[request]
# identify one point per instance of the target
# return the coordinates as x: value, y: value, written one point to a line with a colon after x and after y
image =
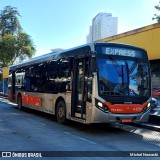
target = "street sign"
x: 5, y: 71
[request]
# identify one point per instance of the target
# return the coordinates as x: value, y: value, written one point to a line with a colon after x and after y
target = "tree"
x: 15, y: 45
x: 9, y: 22
x: 157, y: 17
x: 15, y: 48
x: 7, y: 49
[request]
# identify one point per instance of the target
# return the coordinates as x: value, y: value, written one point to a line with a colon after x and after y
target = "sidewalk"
x: 3, y: 95
x: 153, y: 124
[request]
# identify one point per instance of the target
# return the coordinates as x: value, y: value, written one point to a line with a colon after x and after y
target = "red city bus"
x: 93, y: 83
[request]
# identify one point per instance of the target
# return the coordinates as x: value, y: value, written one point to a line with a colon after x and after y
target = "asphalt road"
x: 30, y: 130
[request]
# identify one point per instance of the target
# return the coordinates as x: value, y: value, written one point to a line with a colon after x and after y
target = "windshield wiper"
x: 132, y: 68
x: 116, y: 65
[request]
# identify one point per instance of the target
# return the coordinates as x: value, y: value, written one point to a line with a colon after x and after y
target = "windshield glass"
x: 123, y: 77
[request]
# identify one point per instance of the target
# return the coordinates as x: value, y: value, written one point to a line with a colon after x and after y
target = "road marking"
x: 43, y: 124
x: 36, y: 121
x: 13, y: 113
x: 84, y: 139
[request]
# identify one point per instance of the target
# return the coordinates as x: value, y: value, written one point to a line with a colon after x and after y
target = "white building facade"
x: 103, y: 26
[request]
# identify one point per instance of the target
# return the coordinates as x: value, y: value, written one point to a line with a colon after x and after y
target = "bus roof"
x: 39, y: 59
x: 66, y: 53
x: 47, y: 57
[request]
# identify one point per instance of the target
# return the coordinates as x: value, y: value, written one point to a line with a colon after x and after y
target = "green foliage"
x: 15, y: 48
x: 7, y: 49
x: 9, y: 21
x: 157, y: 17
x: 15, y: 45
x: 24, y: 47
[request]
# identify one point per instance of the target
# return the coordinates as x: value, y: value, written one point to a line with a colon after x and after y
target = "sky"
x: 65, y: 23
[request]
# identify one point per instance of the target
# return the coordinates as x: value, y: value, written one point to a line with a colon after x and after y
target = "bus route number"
x: 120, y: 52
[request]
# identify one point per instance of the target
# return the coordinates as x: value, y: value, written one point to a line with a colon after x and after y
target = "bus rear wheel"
x: 19, y: 102
x: 61, y: 112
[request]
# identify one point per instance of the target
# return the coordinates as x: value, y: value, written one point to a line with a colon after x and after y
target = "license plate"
x: 126, y: 120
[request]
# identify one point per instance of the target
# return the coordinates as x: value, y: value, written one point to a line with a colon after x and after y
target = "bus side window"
x: 64, y: 75
x: 51, y: 76
x: 27, y: 82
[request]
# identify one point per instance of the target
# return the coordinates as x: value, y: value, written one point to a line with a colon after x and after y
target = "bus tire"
x: 61, y: 112
x: 19, y: 102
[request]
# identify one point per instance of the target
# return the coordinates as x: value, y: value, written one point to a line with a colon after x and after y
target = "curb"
x: 149, y: 126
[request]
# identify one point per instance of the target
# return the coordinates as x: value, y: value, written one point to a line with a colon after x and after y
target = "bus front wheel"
x: 61, y: 112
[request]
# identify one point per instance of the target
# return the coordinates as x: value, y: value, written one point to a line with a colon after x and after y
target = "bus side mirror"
x: 93, y: 64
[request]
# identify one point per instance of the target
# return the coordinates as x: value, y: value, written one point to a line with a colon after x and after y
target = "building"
x: 89, y: 36
x: 103, y: 25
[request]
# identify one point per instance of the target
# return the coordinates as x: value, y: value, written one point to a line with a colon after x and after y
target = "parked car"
x: 156, y: 92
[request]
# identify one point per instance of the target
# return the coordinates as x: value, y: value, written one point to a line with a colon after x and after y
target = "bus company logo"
x: 21, y: 154
x: 116, y: 110
x: 6, y: 154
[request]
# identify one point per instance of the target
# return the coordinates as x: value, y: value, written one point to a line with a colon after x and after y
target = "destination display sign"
x: 122, y: 52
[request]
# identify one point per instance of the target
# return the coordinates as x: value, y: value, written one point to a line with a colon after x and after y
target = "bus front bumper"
x: 99, y: 116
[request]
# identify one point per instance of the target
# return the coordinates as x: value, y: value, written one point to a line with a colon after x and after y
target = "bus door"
x: 11, y: 87
x: 78, y: 109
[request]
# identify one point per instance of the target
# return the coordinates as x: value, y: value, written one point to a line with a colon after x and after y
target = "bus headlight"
x: 148, y: 105
x: 101, y: 106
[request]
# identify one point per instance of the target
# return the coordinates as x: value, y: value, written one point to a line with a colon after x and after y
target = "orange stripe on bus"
x: 126, y: 108
x: 32, y: 100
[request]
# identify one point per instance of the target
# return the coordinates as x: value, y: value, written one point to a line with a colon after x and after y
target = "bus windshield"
x: 121, y: 77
